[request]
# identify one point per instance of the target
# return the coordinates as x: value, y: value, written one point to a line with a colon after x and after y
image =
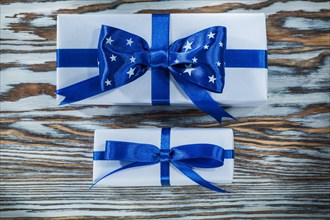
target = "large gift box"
x: 206, y: 151
x: 243, y: 58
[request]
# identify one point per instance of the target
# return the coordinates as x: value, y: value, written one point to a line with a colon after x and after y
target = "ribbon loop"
x: 127, y: 151
x: 200, y: 155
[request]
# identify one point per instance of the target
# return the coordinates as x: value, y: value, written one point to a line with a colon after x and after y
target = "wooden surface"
x: 282, y: 147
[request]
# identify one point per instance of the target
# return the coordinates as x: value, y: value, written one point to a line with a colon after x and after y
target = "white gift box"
x: 150, y: 175
x: 243, y: 86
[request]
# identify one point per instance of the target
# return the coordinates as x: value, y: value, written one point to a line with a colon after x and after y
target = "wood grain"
x: 282, y: 168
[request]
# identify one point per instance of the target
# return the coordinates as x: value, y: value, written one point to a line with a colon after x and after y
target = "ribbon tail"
x: 202, y: 99
x: 197, y: 178
x: 131, y: 165
x: 80, y: 91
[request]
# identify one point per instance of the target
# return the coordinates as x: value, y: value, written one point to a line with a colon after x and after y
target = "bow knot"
x: 158, y: 58
x: 164, y: 155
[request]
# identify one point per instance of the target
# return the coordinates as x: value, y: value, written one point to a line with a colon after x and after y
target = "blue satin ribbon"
x: 160, y: 76
x: 164, y: 157
x: 233, y: 59
x: 184, y: 158
x: 196, y: 62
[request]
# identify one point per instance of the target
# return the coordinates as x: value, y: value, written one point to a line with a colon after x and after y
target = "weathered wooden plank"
x: 282, y: 148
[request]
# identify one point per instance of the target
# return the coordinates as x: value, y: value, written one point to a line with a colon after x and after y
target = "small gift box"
x: 176, y: 59
x: 154, y: 157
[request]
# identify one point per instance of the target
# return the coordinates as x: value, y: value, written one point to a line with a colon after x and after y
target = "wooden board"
x: 282, y: 147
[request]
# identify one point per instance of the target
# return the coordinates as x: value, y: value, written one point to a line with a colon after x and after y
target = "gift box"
x: 207, y: 151
x: 245, y: 45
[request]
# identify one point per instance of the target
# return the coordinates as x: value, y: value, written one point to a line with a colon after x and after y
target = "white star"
x: 206, y: 47
x: 194, y: 60
x: 132, y: 59
x: 221, y: 44
x: 109, y: 40
x: 129, y: 42
x: 130, y: 72
x: 176, y: 61
x: 187, y: 46
x: 218, y: 64
x: 108, y: 82
x: 212, y: 79
x: 189, y: 69
x: 113, y: 58
x: 211, y: 35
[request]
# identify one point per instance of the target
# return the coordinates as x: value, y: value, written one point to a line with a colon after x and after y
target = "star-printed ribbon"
x: 185, y: 158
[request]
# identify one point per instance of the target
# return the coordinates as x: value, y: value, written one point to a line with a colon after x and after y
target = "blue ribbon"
x: 196, y: 62
x: 184, y: 158
x: 70, y: 58
x: 164, y: 157
x: 160, y: 77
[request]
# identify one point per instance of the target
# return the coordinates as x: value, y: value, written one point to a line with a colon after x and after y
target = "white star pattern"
x: 130, y: 72
x: 109, y: 40
x: 129, y: 42
x: 113, y: 58
x: 132, y: 59
x: 189, y: 69
x: 211, y: 35
x: 187, y: 46
x: 212, y: 79
x: 108, y: 82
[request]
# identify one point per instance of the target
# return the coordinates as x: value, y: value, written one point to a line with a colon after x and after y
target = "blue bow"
x: 184, y: 158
